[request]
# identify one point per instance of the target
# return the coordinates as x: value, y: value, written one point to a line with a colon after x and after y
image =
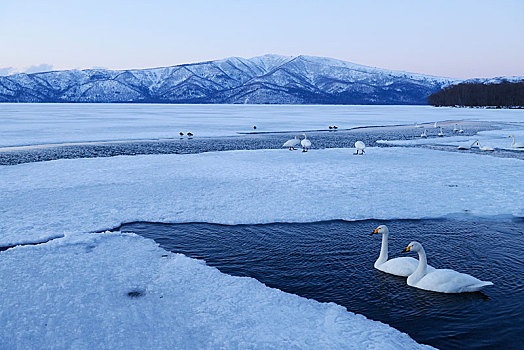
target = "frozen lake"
x: 30, y: 124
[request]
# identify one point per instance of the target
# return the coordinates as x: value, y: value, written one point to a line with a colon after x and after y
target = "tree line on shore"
x: 503, y: 95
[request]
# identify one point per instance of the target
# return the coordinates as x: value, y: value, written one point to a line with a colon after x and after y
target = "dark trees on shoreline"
x: 504, y: 94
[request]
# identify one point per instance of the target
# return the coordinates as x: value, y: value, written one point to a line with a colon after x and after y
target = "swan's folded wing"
x: 450, y: 281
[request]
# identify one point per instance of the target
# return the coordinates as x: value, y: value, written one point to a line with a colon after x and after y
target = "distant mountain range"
x: 269, y: 79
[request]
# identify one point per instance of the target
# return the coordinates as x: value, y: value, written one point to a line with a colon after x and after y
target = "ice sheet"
x: 242, y: 187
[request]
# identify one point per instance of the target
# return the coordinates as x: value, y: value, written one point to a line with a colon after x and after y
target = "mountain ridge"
x: 268, y: 79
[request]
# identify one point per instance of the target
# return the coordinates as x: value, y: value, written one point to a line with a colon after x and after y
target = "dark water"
x: 320, y: 138
x: 333, y: 261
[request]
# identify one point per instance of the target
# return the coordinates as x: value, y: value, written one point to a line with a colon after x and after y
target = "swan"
x: 424, y: 134
x: 466, y: 146
x: 461, y: 131
x: 455, y: 129
x: 516, y: 144
x: 440, y: 280
x: 441, y: 133
x: 417, y: 125
x: 292, y: 143
x: 484, y: 148
x: 306, y: 144
x: 403, y: 266
x: 359, y: 145
x: 435, y: 125
x: 189, y: 135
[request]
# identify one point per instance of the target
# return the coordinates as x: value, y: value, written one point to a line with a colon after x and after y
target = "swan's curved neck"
x: 421, y: 268
x: 383, y: 257
x: 513, y: 140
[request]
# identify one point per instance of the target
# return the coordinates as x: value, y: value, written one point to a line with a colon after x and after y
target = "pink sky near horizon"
x: 460, y: 39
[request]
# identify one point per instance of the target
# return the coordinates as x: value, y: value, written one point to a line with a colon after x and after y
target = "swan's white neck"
x: 305, y: 137
x: 421, y: 268
x: 513, y: 141
x: 383, y: 257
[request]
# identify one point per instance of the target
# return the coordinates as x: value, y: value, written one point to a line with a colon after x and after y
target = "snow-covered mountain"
x: 269, y: 79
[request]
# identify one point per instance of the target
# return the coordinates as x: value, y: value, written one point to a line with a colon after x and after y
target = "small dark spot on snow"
x: 136, y: 293
x: 452, y: 185
x: 165, y: 256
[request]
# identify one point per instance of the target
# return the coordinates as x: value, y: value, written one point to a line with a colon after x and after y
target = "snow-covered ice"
x: 74, y: 293
x: 245, y: 187
x: 30, y: 124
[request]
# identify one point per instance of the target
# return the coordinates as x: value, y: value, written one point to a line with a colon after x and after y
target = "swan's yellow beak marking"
x: 376, y: 230
x: 408, y: 248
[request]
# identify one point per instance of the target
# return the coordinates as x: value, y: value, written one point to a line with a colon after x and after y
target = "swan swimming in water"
x: 360, y: 146
x: 403, y: 266
x: 461, y: 131
x: 441, y: 133
x: 292, y: 143
x: 516, y: 144
x: 455, y: 129
x: 306, y: 144
x: 440, y: 280
x: 424, y: 134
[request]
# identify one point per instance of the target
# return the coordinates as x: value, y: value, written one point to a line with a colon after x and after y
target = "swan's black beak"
x: 406, y: 250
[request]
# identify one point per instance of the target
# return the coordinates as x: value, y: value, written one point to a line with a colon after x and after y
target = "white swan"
x: 435, y: 125
x: 467, y: 146
x: 424, y: 134
x: 440, y: 280
x: 417, y: 125
x: 483, y: 148
x: 516, y: 144
x: 292, y: 143
x: 403, y: 266
x: 461, y: 131
x: 359, y: 145
x: 306, y: 144
x: 455, y: 129
x: 441, y: 133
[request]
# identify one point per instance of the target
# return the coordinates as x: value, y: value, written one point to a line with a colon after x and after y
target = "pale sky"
x: 453, y: 38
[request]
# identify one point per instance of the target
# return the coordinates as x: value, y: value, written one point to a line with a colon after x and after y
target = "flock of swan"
x: 189, y: 135
x: 360, y: 146
x: 421, y: 275
x: 456, y: 129
x: 306, y: 144
x: 294, y: 142
x: 441, y: 131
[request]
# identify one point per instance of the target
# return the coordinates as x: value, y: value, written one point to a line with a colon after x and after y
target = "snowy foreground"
x: 32, y: 124
x: 73, y: 292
